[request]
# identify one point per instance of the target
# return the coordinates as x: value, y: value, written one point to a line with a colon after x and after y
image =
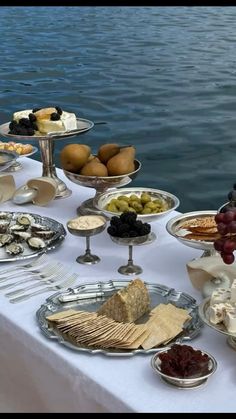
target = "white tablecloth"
x: 40, y: 375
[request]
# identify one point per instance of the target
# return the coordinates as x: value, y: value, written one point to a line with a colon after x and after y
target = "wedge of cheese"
x: 128, y: 304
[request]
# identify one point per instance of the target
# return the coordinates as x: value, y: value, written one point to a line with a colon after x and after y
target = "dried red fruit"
x: 183, y: 361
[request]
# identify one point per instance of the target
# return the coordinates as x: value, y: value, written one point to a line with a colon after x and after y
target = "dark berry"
x: 54, y: 116
x: 128, y: 217
x: 30, y: 131
x: 34, y: 126
x: 112, y: 230
x: 32, y: 117
x: 59, y: 110
x: 122, y: 228
x: 36, y: 110
x: 124, y: 235
x: 24, y: 122
x: 115, y: 221
x: 133, y: 233
x: 12, y: 125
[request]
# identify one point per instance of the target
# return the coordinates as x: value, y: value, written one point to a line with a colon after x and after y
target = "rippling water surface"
x: 162, y: 78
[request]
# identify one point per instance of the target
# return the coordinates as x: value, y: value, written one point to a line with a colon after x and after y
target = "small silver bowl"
x: 87, y: 258
x: 183, y: 383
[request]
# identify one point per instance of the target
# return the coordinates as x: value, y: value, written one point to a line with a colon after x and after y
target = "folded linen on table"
x: 203, y: 270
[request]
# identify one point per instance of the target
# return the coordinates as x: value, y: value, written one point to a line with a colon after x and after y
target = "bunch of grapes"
x: 226, y: 226
x: 127, y: 225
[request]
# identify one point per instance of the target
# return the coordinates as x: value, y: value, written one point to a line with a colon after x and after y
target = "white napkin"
x: 205, y: 268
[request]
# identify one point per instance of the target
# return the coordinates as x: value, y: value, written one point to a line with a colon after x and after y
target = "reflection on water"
x: 161, y: 78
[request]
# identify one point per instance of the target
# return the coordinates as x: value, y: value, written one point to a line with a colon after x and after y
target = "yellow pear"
x: 74, y: 156
x: 94, y: 168
x: 107, y: 151
x: 122, y: 163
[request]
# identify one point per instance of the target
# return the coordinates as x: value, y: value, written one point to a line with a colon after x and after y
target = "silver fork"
x: 46, y: 273
x: 60, y: 274
x: 23, y: 268
x: 65, y: 284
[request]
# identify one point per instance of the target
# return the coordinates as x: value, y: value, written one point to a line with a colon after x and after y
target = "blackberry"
x: 30, y: 131
x: 128, y: 217
x: 112, y: 230
x: 122, y: 228
x: 34, y: 126
x: 32, y: 117
x: 133, y: 233
x: 12, y: 125
x: 145, y: 230
x: 124, y: 235
x: 25, y: 122
x: 36, y: 110
x: 55, y: 116
x: 115, y: 221
x: 59, y: 110
x: 138, y: 225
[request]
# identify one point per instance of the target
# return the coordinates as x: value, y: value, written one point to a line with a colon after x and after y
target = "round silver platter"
x: 204, y: 314
x: 173, y: 227
x: 28, y: 253
x: 83, y: 125
x: 90, y: 296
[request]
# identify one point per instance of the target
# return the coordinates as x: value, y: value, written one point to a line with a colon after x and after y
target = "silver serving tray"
x: 28, y: 253
x: 83, y: 125
x: 91, y: 296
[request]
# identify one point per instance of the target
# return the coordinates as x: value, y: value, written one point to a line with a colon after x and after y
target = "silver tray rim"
x: 196, y: 244
x: 51, y: 246
x: 55, y: 136
x: 191, y: 330
x: 203, y: 313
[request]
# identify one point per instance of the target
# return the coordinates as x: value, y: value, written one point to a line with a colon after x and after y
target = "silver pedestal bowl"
x: 100, y: 184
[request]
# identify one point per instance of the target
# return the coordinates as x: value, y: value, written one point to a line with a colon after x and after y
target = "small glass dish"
x: 87, y: 258
x: 183, y: 383
x: 130, y: 268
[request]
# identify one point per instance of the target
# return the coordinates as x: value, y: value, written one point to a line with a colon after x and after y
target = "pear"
x: 107, y: 151
x: 74, y: 156
x: 122, y: 163
x: 94, y: 168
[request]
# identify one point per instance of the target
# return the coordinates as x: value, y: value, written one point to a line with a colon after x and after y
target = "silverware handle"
x: 82, y: 296
x: 25, y: 297
x: 21, y: 290
x: 4, y: 287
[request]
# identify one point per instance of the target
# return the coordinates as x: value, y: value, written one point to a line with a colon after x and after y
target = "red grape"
x: 219, y: 218
x: 218, y: 245
x: 228, y: 258
x: 229, y: 246
x: 228, y: 217
x: 232, y: 227
x: 222, y: 228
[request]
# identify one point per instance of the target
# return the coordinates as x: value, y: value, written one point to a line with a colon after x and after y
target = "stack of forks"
x: 45, y: 274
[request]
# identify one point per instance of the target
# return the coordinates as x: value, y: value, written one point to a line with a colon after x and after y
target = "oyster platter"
x: 25, y: 235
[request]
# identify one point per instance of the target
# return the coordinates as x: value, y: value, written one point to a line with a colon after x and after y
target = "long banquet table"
x: 40, y: 375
